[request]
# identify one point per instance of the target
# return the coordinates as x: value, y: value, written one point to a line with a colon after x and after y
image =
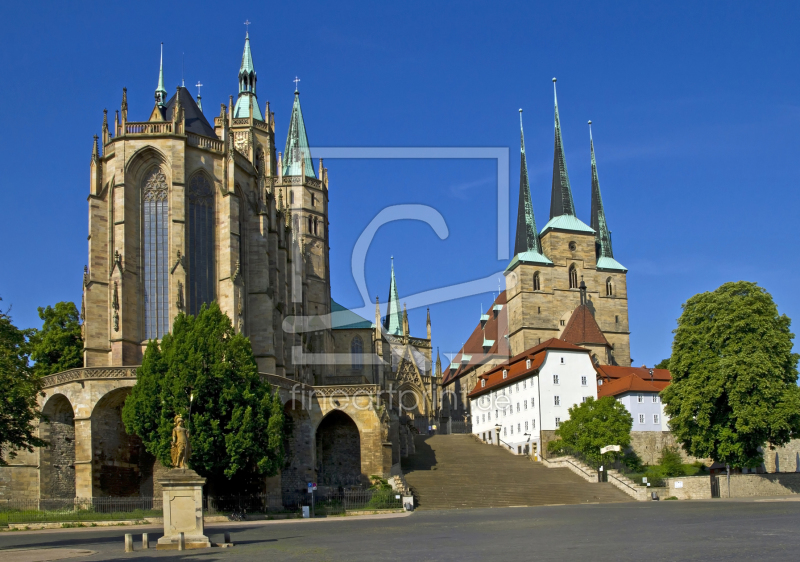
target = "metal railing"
x: 77, y: 510
x: 325, y: 503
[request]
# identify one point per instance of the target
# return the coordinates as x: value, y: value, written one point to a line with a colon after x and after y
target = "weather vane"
x: 247, y: 25
x: 296, y: 80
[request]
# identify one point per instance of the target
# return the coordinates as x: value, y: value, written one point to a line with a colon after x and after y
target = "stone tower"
x: 543, y: 280
x: 183, y: 212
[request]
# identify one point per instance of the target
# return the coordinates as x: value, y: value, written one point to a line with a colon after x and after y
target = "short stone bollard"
x: 227, y: 538
x: 128, y: 542
x: 145, y: 541
x: 181, y: 542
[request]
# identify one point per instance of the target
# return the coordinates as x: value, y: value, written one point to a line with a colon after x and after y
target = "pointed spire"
x: 602, y: 237
x: 405, y: 320
x: 428, y: 324
x: 297, y: 153
x: 161, y: 92
x: 561, y: 197
x: 247, y: 85
x: 393, y: 322
x: 377, y: 313
x: 95, y: 150
x: 527, y: 235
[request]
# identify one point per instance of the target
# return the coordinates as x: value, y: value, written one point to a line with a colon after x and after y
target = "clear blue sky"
x: 696, y: 112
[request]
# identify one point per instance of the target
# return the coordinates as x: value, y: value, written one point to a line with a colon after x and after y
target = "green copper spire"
x: 527, y: 235
x: 561, y: 197
x: 297, y: 150
x: 393, y: 321
x: 161, y: 93
x: 247, y: 86
x: 602, y: 236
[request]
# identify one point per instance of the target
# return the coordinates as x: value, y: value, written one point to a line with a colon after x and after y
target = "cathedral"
x: 563, y: 282
x: 184, y: 210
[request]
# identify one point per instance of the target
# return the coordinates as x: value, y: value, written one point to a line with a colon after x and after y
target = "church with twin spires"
x: 185, y: 210
x: 563, y: 282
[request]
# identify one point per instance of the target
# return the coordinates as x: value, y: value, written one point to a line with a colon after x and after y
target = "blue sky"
x: 696, y: 113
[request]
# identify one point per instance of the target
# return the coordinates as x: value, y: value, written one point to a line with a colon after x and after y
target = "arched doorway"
x: 57, y: 473
x: 120, y: 465
x: 338, y: 451
x: 298, y: 441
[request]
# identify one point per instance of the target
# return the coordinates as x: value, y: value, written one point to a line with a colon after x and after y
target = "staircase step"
x: 458, y: 472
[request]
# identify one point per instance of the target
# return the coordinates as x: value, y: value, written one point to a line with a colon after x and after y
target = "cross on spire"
x: 247, y: 26
x: 199, y: 85
x: 296, y: 80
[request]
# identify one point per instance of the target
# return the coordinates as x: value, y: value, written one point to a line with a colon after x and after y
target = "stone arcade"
x: 184, y: 211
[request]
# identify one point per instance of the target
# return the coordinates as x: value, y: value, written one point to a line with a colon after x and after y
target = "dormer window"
x: 528, y: 364
x: 483, y: 383
x: 505, y: 374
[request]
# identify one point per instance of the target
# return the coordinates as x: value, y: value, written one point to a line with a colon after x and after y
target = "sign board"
x: 310, y: 487
x: 679, y: 484
x: 601, y: 468
x: 607, y: 448
x: 397, y: 497
x: 314, y: 486
x: 644, y: 479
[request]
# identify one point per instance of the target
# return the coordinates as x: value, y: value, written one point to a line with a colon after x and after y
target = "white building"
x: 527, y: 398
x: 638, y: 389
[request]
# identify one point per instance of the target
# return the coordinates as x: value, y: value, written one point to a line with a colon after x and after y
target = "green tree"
x: 734, y: 376
x: 236, y: 423
x: 595, y: 424
x: 58, y: 346
x: 20, y: 387
x: 671, y: 462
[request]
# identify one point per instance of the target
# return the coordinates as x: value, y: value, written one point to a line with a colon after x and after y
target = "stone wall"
x: 338, y: 451
x: 742, y: 486
x: 648, y: 445
x: 57, y: 460
x: 298, y: 468
x: 783, y: 459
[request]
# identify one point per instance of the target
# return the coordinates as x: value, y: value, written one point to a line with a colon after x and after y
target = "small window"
x: 525, y: 384
x: 600, y: 382
x: 562, y: 360
x: 573, y: 246
x: 583, y: 400
x: 557, y: 401
x: 573, y: 277
x: 655, y: 398
x: 558, y: 422
x: 505, y: 374
x: 533, y: 424
x: 616, y: 319
x: 537, y: 286
x: 496, y: 414
x: 528, y: 364
x: 555, y: 379
x: 525, y: 404
x: 583, y: 381
x: 291, y: 197
x: 518, y: 428
x: 517, y: 406
x: 531, y: 402
x: 655, y: 418
x: 526, y: 426
x: 483, y: 383
x: 641, y: 399
x: 563, y: 323
x: 313, y: 199
x: 512, y: 430
x: 609, y: 288
x: 641, y: 418
x: 539, y: 311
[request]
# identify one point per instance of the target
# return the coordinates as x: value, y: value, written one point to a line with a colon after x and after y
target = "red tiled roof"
x: 495, y: 329
x: 517, y: 368
x: 582, y: 328
x: 610, y: 372
x: 630, y: 383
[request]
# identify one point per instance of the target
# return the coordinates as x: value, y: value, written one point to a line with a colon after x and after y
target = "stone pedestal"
x: 183, y: 509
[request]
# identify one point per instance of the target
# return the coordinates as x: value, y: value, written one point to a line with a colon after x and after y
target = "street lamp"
x: 497, y: 428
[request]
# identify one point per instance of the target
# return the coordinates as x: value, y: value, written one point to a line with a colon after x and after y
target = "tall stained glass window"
x: 156, y: 243
x: 200, y: 240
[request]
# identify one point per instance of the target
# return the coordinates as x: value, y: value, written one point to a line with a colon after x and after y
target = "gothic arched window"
x: 316, y: 224
x: 156, y: 246
x: 200, y: 242
x: 573, y: 277
x: 609, y: 288
x: 537, y: 284
x: 356, y: 353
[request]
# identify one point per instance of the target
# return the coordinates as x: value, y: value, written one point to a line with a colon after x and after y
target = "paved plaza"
x: 652, y: 531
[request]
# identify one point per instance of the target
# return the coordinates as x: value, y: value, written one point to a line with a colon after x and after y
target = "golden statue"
x: 180, y: 444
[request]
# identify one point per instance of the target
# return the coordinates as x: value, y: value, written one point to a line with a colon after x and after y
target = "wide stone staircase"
x: 459, y: 472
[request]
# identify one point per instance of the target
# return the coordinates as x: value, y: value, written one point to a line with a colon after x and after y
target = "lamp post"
x: 497, y: 428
